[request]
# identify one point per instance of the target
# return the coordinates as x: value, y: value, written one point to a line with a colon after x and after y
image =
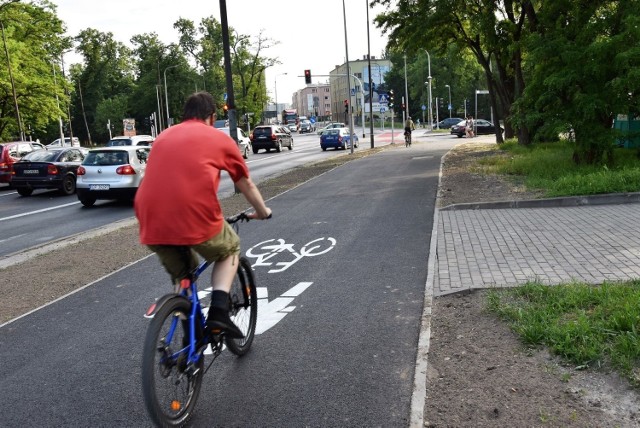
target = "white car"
x: 331, y: 126
x: 111, y: 173
x: 244, y: 142
x: 136, y: 140
x: 67, y: 142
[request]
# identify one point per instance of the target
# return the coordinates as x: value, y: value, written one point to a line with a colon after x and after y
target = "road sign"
x: 424, y: 107
x: 449, y: 106
x: 382, y: 109
x: 383, y: 99
x: 353, y: 92
x: 482, y: 91
x: 225, y: 96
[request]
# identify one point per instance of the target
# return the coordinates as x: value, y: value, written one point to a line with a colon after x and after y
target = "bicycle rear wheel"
x: 170, y: 385
x: 243, y: 307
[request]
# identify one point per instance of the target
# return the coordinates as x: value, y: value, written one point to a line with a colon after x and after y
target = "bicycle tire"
x: 170, y: 390
x: 243, y: 307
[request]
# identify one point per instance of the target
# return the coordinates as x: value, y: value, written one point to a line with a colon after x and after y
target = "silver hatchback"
x: 111, y: 173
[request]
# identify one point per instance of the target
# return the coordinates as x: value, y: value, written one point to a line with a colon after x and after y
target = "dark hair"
x: 200, y: 105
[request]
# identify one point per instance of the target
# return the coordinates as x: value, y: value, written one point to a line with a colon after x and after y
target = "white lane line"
x: 39, y: 211
x: 12, y: 237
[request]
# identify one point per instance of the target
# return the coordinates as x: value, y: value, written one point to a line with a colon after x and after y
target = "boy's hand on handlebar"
x: 260, y: 216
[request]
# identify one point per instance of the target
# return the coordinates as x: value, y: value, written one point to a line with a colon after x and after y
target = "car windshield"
x: 333, y: 131
x: 42, y: 156
x: 105, y: 158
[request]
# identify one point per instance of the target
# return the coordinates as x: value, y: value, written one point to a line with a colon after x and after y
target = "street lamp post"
x: 449, y: 100
x: 429, y: 82
x: 166, y: 95
x: 275, y: 88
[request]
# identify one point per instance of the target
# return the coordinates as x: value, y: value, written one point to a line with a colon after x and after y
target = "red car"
x: 11, y: 153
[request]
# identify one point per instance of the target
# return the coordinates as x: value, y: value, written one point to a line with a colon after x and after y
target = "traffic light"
x: 307, y: 77
x: 391, y: 98
x: 402, y: 106
x: 225, y: 108
x: 346, y: 106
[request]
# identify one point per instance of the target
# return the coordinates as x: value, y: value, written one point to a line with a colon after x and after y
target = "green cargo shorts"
x: 180, y: 260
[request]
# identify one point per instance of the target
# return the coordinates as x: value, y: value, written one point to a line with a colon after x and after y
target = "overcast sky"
x: 311, y: 33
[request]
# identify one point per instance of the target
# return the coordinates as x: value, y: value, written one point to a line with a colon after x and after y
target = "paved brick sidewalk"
x: 506, y: 247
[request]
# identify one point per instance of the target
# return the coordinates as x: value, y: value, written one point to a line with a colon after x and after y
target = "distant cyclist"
x: 177, y: 204
x: 408, y: 127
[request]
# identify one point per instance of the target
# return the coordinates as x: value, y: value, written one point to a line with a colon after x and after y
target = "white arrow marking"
x: 272, y: 312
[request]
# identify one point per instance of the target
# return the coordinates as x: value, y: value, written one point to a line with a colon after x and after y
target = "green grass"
x: 588, y: 326
x: 549, y: 168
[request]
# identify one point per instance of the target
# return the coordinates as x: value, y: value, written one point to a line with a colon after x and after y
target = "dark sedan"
x: 480, y: 127
x: 48, y: 169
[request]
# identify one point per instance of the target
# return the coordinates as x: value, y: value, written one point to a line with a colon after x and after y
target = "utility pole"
x: 370, y: 86
x: 231, y: 102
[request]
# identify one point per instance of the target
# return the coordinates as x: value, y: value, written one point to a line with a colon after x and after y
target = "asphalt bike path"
x: 341, y: 271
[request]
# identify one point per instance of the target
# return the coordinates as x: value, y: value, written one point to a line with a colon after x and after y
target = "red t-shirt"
x: 177, y: 201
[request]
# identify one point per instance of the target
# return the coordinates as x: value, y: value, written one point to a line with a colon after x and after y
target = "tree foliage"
x: 33, y: 41
x: 114, y: 81
x: 550, y: 65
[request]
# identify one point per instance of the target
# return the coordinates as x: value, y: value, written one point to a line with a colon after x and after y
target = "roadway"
x: 338, y: 331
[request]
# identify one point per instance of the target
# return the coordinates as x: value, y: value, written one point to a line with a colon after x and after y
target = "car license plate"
x: 98, y: 187
x: 30, y: 171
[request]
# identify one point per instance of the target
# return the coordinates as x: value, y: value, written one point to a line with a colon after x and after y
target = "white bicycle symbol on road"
x: 266, y: 250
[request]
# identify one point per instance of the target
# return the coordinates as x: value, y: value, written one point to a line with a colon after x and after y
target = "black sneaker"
x: 218, y: 321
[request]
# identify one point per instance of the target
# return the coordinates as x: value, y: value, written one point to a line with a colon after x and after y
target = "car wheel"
x: 459, y: 135
x: 255, y: 151
x: 245, y: 154
x: 88, y: 202
x: 324, y: 149
x: 279, y: 146
x: 24, y: 191
x: 68, y: 185
x: 291, y: 144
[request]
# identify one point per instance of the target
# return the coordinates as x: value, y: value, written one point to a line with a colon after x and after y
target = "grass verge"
x: 549, y: 167
x: 588, y: 326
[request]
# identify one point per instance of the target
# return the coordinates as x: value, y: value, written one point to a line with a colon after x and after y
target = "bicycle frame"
x: 188, y: 289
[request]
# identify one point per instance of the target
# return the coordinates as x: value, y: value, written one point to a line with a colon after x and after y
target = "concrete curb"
x: 572, y: 201
x: 23, y: 256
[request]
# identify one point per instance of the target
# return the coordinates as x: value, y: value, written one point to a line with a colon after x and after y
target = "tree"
x: 490, y: 30
x: 107, y: 72
x: 33, y: 38
x: 582, y: 70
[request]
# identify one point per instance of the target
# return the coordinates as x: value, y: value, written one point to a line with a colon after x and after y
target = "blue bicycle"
x: 173, y: 355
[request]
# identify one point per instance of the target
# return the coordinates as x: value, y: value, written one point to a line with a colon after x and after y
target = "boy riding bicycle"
x: 177, y: 204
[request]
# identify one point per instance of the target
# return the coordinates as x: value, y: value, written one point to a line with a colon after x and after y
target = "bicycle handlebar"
x: 241, y: 217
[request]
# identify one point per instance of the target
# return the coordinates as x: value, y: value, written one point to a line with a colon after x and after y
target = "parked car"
x: 244, y: 142
x: 338, y: 138
x: 306, y: 126
x: 53, y: 168
x: 67, y: 142
x: 270, y: 137
x: 136, y: 140
x: 331, y: 126
x: 12, y: 152
x: 481, y: 127
x: 111, y: 173
x: 449, y: 122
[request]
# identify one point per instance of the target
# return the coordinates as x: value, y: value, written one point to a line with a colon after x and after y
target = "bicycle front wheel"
x: 170, y: 383
x: 243, y: 307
